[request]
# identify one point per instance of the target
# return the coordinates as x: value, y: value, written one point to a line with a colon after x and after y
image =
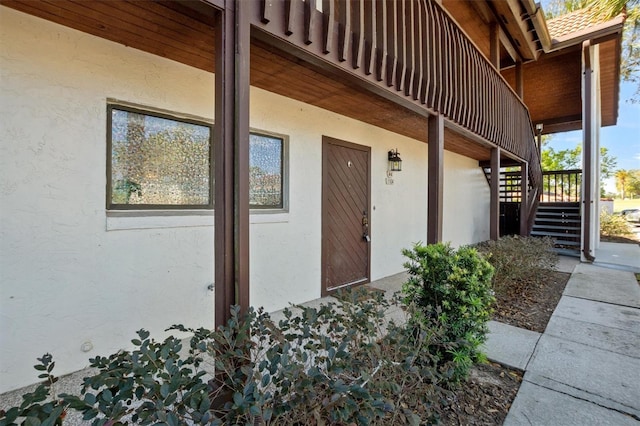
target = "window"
x: 266, y: 171
x: 161, y: 161
x: 157, y: 161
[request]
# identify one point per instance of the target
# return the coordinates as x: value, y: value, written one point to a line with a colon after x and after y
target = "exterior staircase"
x: 558, y: 211
x: 561, y: 222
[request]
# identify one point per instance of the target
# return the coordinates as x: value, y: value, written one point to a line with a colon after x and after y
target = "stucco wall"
x: 70, y: 275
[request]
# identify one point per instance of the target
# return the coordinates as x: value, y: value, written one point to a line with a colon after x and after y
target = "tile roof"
x: 573, y: 22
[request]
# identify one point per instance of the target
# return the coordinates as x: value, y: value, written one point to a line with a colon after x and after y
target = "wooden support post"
x: 231, y: 246
x: 524, y: 199
x: 435, y: 178
x: 494, y: 53
x: 494, y: 211
x: 539, y: 129
x: 519, y: 80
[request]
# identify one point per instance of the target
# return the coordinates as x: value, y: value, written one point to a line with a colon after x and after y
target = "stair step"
x: 552, y: 220
x: 540, y: 227
x: 555, y: 214
x: 554, y: 234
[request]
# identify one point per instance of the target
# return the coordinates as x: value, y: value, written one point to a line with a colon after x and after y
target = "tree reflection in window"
x: 159, y: 161
x: 265, y: 171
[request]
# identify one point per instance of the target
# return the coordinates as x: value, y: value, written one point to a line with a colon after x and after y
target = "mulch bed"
x: 484, y: 399
x: 531, y: 306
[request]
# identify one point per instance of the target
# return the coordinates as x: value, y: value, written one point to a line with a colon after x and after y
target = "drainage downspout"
x: 587, y: 169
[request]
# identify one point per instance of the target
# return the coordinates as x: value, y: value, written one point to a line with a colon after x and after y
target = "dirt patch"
x: 531, y: 306
x: 484, y: 399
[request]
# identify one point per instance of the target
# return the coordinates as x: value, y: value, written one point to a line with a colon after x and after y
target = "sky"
x: 622, y: 140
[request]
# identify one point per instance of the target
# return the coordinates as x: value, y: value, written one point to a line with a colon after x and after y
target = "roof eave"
x: 596, y: 32
x: 539, y: 23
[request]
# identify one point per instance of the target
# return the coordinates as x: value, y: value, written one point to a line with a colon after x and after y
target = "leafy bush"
x: 338, y: 364
x: 519, y: 261
x: 452, y: 288
x: 37, y: 408
x: 613, y: 225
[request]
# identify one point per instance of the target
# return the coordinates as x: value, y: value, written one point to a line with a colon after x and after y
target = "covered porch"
x: 407, y: 67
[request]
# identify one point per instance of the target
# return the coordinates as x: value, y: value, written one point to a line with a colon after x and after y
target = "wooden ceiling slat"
x: 136, y: 22
x: 180, y: 15
x: 75, y: 17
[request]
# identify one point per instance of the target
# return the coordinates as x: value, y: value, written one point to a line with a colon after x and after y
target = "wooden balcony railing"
x: 413, y: 49
x: 561, y: 186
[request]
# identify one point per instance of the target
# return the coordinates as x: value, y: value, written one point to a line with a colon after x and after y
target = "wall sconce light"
x: 395, y: 162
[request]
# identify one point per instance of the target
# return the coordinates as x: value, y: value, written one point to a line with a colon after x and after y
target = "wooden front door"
x: 346, y: 247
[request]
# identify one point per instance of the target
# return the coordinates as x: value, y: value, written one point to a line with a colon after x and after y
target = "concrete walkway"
x: 585, y: 368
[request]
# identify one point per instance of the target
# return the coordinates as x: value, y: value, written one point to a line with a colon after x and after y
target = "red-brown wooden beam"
x: 519, y: 80
x: 494, y: 49
x: 494, y: 211
x: 435, y: 178
x: 524, y: 199
x: 231, y: 246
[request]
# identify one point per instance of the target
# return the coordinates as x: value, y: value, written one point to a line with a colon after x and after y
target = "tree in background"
x: 569, y: 159
x: 628, y: 183
x: 622, y: 180
x: 606, y: 9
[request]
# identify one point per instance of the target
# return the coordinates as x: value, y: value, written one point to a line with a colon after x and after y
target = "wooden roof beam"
x: 508, y: 46
x: 510, y: 14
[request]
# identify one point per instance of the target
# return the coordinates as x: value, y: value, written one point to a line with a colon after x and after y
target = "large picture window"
x: 160, y: 161
x: 157, y: 161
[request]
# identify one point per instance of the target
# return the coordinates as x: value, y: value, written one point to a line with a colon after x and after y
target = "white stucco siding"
x: 466, y: 201
x: 65, y: 279
x: 69, y: 274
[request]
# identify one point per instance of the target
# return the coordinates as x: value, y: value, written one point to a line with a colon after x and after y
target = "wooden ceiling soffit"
x: 510, y: 14
x: 160, y: 28
x: 552, y: 87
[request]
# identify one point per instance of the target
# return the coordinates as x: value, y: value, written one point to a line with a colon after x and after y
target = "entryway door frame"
x: 332, y: 170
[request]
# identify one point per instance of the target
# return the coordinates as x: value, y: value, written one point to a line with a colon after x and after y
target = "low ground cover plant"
x: 342, y: 363
x: 519, y: 262
x: 453, y: 289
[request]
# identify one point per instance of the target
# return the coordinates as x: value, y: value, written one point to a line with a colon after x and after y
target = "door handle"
x: 365, y: 227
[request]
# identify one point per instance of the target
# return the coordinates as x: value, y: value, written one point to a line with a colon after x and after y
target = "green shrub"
x: 340, y: 363
x: 612, y: 225
x: 38, y: 407
x: 519, y: 261
x: 452, y: 288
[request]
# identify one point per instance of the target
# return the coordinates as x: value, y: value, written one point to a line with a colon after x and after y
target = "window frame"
x: 284, y: 165
x: 167, y: 115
